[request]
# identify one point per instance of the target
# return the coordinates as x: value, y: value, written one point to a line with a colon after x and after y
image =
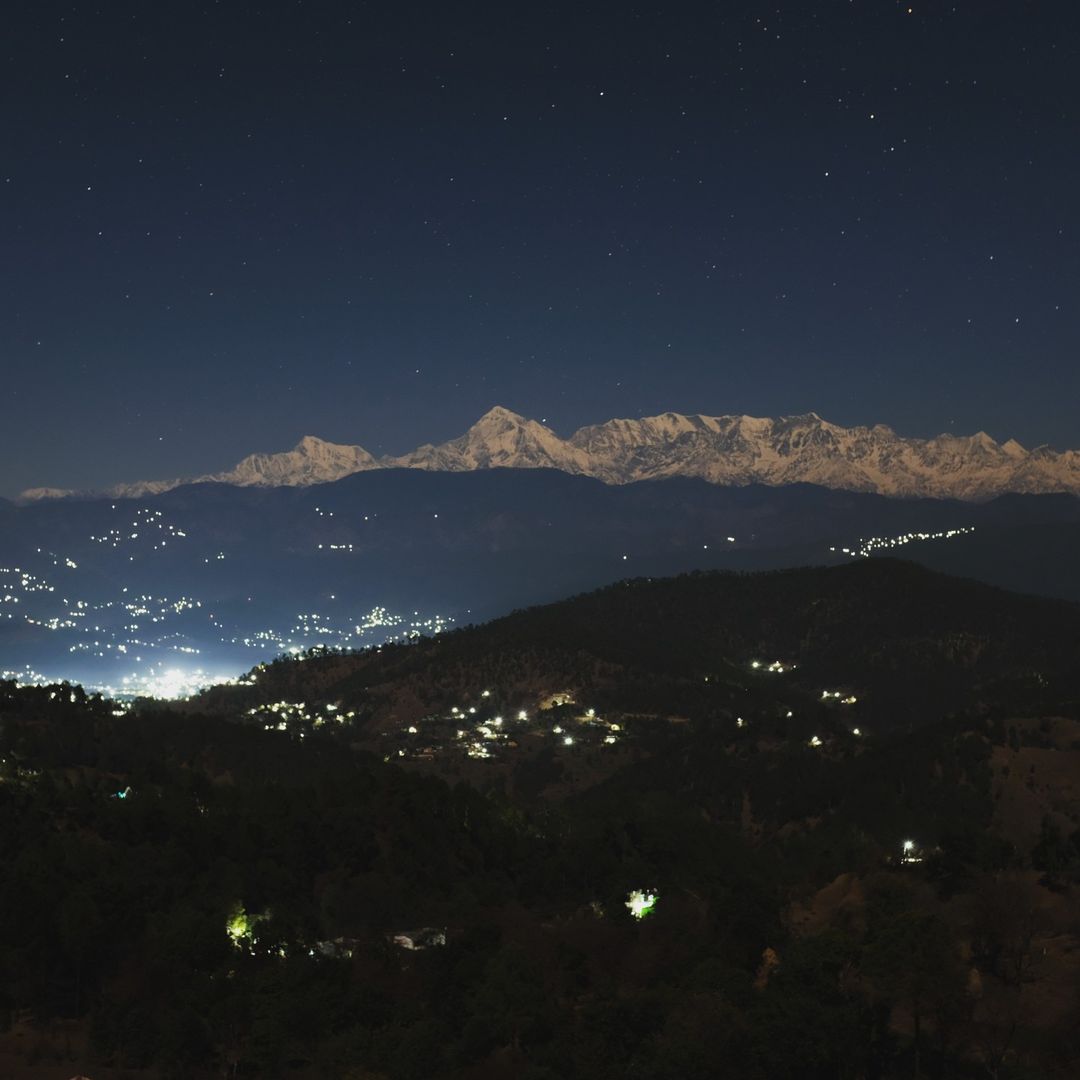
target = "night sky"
x: 227, y: 225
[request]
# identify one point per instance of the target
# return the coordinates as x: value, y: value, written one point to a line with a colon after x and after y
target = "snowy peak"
x: 311, y: 461
x: 805, y: 448
x: 729, y: 450
x: 498, y: 416
x: 499, y: 439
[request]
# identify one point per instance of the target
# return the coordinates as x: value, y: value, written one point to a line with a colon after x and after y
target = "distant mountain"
x: 311, y: 461
x: 221, y: 575
x: 724, y: 450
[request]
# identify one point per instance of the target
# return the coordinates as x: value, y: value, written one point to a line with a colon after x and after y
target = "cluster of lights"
x: 838, y: 695
x: 25, y: 676
x: 59, y: 560
x: 16, y: 582
x: 149, y: 524
x: 330, y: 631
x: 866, y: 548
x: 479, y: 733
x: 101, y: 629
x: 777, y: 667
x: 281, y: 715
x: 137, y: 627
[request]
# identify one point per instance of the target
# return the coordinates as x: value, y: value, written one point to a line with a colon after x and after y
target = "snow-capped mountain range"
x: 727, y: 450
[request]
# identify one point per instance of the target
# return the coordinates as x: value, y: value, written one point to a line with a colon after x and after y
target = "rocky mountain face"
x: 311, y: 461
x: 727, y: 450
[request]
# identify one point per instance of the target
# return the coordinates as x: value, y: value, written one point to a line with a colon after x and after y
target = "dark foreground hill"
x: 842, y: 801
x: 914, y: 643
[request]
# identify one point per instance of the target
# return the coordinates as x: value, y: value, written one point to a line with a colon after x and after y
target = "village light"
x: 641, y: 903
x: 239, y: 926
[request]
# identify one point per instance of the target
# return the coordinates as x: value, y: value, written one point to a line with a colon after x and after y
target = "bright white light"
x: 173, y: 683
x: 641, y: 903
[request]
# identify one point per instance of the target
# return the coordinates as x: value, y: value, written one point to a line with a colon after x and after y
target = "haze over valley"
x: 163, y: 592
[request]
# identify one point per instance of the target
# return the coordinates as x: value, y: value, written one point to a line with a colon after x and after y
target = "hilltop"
x: 917, y: 643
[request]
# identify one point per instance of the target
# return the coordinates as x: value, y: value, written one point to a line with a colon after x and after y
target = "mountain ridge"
x: 732, y: 450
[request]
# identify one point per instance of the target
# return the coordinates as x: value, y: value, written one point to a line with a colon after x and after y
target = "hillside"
x: 770, y: 819
x: 916, y: 644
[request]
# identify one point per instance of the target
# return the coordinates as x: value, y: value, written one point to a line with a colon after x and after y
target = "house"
x: 426, y: 937
x: 336, y: 949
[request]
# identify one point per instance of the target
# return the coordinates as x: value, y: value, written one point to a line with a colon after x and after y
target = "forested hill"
x: 920, y: 643
x: 871, y: 876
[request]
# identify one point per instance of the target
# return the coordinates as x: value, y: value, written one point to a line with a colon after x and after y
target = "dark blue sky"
x: 228, y: 225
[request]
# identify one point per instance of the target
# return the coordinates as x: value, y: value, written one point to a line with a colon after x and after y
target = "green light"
x: 239, y: 926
